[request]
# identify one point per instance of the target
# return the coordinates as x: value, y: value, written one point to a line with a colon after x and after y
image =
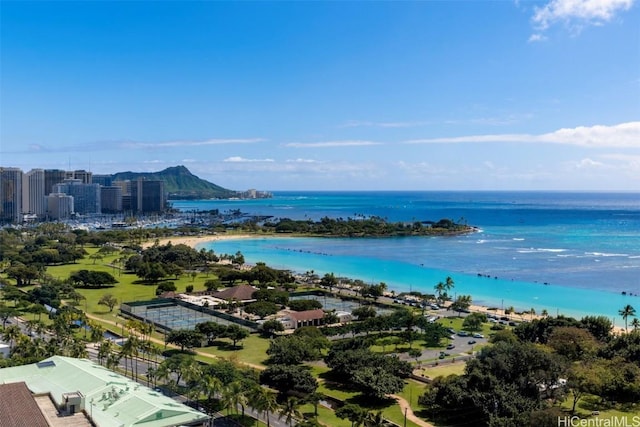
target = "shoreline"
x: 193, y: 241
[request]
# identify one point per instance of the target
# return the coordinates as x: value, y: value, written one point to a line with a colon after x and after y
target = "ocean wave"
x: 605, y: 254
x: 518, y: 239
x: 536, y: 250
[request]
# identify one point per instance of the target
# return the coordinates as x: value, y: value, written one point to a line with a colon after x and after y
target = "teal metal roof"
x: 110, y: 399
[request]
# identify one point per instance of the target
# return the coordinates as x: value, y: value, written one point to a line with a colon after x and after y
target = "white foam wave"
x: 518, y: 239
x: 536, y: 250
x: 605, y: 254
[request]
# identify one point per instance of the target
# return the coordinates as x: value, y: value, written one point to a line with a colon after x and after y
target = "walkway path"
x: 404, y: 406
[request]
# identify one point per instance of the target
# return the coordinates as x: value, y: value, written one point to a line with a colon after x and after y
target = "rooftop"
x: 108, y: 398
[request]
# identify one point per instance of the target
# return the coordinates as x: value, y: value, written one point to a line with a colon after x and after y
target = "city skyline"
x: 328, y: 95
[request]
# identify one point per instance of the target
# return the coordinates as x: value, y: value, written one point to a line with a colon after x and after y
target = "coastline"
x: 194, y: 241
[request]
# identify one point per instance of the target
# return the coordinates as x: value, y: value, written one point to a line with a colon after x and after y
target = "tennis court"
x: 173, y: 316
x: 331, y: 303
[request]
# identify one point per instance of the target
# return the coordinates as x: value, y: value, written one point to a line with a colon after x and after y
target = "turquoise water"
x: 585, y: 246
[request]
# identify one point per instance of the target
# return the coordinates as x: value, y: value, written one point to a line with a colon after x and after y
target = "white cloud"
x: 301, y: 161
x: 238, y: 159
x: 621, y: 135
x: 588, y: 163
x: 578, y: 13
x: 326, y: 144
x: 537, y: 38
x: 138, y: 145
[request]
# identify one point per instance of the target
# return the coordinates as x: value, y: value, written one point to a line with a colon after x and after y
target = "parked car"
x: 451, y: 347
x: 463, y: 334
x: 478, y: 336
x: 471, y: 342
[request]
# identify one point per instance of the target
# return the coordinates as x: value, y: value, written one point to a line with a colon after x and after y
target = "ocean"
x: 567, y: 253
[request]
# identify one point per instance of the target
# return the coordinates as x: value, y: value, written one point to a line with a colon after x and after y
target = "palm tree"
x: 626, y: 312
x: 374, y: 419
x: 315, y: 398
x: 104, y: 349
x: 290, y: 410
x: 210, y: 386
x: 532, y: 312
x: 635, y: 323
x: 544, y: 312
x: 264, y: 400
x: 11, y: 334
x: 238, y: 395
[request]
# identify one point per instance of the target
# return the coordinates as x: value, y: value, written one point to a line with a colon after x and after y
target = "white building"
x: 59, y: 206
x: 33, y: 193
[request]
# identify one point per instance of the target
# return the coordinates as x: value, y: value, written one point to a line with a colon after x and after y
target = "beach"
x: 194, y: 241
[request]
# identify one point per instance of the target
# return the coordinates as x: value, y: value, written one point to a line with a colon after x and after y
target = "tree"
x: 211, y: 330
x: 262, y: 309
x: 108, y: 300
x: 374, y: 419
x: 599, y: 326
x: 474, y: 321
x: 11, y: 334
x: 572, y: 343
x: 6, y: 313
x: 329, y: 280
x: 304, y: 304
x: 377, y: 381
x: 364, y: 312
x: 626, y: 312
x: 286, y: 378
x: 415, y: 353
x: 213, y: 284
x: 235, y: 333
x: 91, y: 279
x: 462, y: 303
x: 290, y: 409
x: 263, y: 400
x: 270, y: 327
x: 185, y: 338
x: 353, y: 412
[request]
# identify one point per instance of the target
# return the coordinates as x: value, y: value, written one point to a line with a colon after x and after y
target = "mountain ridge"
x: 181, y: 184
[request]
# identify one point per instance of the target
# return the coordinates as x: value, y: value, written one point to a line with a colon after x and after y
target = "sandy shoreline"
x: 193, y: 241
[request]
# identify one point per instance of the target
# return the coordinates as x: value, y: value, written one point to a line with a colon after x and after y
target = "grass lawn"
x: 444, y: 369
x: 325, y: 415
x: 616, y: 414
x: 253, y: 351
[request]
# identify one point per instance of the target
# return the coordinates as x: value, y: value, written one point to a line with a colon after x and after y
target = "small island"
x: 365, y: 227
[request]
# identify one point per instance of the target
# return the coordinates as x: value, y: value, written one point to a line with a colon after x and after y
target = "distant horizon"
x: 416, y: 96
x: 470, y: 190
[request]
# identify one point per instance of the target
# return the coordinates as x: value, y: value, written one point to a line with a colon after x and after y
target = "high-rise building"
x: 148, y: 196
x: 104, y: 180
x: 59, y: 206
x: 84, y: 176
x: 10, y: 195
x: 111, y: 199
x: 33, y: 193
x: 86, y: 197
x: 51, y: 178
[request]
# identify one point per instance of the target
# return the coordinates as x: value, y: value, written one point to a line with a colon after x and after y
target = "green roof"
x: 109, y: 398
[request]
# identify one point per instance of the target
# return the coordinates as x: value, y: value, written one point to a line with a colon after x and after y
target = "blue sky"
x: 429, y: 95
